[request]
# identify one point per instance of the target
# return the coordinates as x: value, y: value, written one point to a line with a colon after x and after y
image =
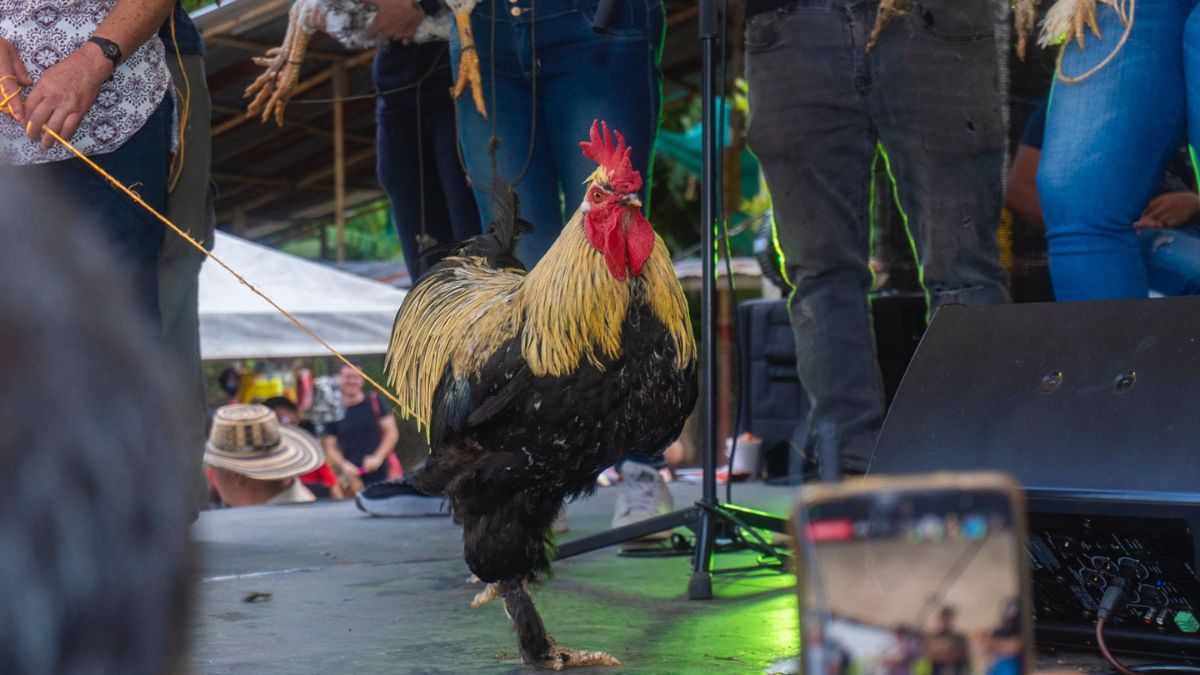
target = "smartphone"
x: 917, y: 574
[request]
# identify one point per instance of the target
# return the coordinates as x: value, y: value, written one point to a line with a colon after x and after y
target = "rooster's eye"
x: 597, y: 194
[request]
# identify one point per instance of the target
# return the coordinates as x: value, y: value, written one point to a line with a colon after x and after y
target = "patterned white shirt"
x: 45, y: 32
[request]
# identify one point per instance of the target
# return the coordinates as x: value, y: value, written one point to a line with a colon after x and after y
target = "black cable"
x: 723, y: 77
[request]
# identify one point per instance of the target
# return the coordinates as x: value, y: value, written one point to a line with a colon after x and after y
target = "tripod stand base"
x: 703, y: 519
x: 700, y: 586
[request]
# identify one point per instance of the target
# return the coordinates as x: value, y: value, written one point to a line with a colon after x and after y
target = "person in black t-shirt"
x: 361, y: 441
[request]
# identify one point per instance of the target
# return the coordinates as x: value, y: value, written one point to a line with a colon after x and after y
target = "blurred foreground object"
x: 93, y: 519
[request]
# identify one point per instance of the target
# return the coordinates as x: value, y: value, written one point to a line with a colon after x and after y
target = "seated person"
x: 322, y: 481
x: 1169, y: 229
x: 254, y: 460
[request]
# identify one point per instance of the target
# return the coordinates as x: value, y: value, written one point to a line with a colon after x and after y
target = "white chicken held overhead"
x: 347, y: 21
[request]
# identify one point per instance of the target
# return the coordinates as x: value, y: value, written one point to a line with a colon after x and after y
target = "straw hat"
x: 249, y: 440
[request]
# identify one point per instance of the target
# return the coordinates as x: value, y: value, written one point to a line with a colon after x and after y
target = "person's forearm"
x: 334, y: 452
x: 1024, y: 203
x: 132, y: 22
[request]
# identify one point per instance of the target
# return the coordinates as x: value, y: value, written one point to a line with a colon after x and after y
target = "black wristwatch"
x: 111, y: 50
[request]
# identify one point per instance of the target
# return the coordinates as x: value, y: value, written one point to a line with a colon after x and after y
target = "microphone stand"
x: 707, y: 518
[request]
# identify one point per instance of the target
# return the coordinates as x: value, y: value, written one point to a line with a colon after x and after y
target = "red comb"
x: 615, y: 158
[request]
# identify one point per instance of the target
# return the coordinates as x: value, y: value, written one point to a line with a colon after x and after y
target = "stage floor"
x: 354, y: 595
x: 322, y: 588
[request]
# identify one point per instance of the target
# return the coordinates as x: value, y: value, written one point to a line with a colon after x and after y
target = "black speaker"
x: 1093, y: 407
x: 774, y: 405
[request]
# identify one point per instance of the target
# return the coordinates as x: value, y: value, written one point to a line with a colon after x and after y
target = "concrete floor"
x: 322, y: 588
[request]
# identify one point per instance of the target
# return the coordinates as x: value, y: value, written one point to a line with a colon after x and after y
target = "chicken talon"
x: 562, y: 658
x: 488, y: 594
x: 1089, y: 9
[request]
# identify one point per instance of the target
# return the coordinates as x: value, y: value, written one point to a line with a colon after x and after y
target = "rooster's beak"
x: 631, y: 200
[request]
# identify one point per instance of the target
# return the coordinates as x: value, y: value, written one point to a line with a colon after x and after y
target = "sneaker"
x: 642, y: 494
x: 399, y: 499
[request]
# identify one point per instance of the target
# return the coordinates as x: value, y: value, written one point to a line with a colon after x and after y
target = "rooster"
x: 347, y: 22
x: 529, y: 384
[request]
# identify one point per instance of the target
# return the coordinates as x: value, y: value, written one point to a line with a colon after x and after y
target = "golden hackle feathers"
x: 571, y: 311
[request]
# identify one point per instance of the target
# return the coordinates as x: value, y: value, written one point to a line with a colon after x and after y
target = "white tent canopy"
x: 351, y: 313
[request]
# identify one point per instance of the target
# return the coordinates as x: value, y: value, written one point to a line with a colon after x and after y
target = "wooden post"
x: 339, y: 158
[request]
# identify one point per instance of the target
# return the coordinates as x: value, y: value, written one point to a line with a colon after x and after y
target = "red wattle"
x: 639, y: 242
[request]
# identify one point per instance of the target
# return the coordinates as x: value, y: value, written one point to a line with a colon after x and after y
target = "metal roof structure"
x: 279, y: 183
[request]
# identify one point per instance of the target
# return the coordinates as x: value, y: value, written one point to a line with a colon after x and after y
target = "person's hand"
x: 395, y: 20
x: 1170, y: 210
x: 349, y: 468
x: 371, y: 463
x: 13, y: 76
x: 65, y: 93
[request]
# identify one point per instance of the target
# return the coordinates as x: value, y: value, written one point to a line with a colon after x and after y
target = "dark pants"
x: 923, y: 105
x: 190, y: 206
x: 418, y: 162
x: 134, y: 235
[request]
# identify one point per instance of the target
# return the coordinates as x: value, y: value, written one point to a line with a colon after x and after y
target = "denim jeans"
x: 134, y: 235
x: 923, y: 105
x: 580, y: 76
x: 417, y: 140
x: 1108, y: 139
x: 1172, y: 259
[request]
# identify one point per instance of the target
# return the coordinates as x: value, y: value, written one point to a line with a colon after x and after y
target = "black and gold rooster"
x: 530, y: 384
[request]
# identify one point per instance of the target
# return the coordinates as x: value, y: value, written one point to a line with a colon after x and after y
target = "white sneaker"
x: 641, y: 494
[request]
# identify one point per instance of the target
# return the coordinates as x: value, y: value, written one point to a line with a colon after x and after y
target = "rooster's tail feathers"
x: 499, y: 244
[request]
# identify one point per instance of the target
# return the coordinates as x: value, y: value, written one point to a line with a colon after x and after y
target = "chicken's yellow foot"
x: 1024, y: 21
x: 562, y: 658
x: 488, y: 594
x: 888, y: 10
x: 468, y: 63
x: 274, y: 87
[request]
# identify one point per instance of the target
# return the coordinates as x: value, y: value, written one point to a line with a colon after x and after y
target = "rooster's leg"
x: 468, y: 62
x: 537, y: 647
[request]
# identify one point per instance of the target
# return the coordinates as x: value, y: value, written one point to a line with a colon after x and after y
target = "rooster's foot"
x: 488, y: 594
x: 561, y: 658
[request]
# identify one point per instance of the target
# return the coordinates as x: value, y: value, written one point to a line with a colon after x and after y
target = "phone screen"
x: 923, y: 580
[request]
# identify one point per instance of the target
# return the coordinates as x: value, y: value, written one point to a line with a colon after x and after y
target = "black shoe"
x: 399, y: 499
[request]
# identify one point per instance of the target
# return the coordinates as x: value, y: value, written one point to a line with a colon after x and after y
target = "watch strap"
x: 110, y: 49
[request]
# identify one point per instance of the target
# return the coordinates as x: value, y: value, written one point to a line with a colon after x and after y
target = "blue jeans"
x: 1108, y: 140
x: 580, y: 77
x: 417, y: 140
x: 923, y: 106
x: 1172, y: 259
x: 134, y: 235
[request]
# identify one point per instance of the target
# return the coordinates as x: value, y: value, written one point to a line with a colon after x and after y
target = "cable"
x: 1114, y: 597
x: 1104, y: 649
x: 723, y: 76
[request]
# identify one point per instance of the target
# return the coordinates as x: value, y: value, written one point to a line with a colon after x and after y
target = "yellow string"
x: 184, y: 115
x: 6, y: 107
x: 1127, y: 19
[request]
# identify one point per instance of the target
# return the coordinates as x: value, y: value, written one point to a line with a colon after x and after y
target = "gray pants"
x: 924, y: 105
x: 189, y: 206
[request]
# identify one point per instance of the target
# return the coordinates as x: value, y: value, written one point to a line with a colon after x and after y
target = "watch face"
x: 111, y: 51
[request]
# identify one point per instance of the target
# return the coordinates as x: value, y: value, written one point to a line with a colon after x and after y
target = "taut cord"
x: 6, y: 107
